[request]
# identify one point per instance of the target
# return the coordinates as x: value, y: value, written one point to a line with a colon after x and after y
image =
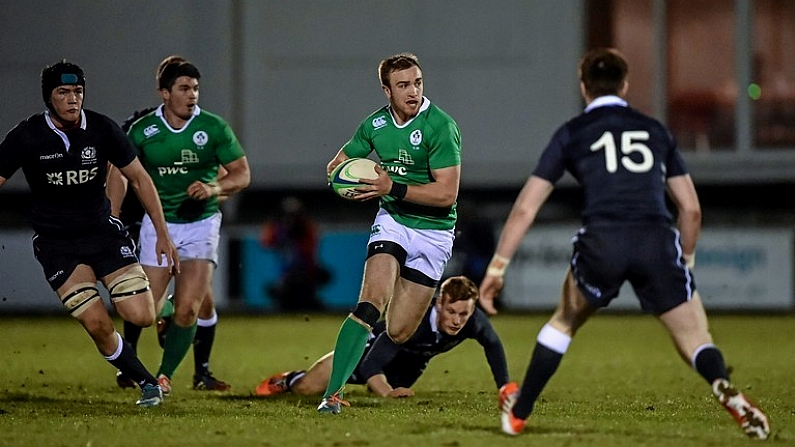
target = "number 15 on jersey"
x: 632, y: 141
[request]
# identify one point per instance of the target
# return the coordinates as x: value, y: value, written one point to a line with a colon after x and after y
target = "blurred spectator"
x: 294, y: 235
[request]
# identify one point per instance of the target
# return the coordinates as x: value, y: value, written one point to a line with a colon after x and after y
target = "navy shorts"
x: 106, y: 250
x: 648, y: 255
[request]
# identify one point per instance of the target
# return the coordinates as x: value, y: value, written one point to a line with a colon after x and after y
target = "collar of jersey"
x: 425, y: 104
x: 159, y: 112
x: 434, y: 317
x: 602, y: 101
x: 59, y: 132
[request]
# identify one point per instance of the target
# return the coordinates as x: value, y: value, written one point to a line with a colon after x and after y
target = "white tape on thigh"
x: 79, y: 298
x: 128, y: 284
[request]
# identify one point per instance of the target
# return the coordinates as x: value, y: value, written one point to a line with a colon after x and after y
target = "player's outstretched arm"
x: 372, y: 365
x: 379, y: 385
x: 487, y: 337
x: 525, y: 209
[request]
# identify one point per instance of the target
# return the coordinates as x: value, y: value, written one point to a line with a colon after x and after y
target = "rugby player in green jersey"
x: 411, y: 239
x: 126, y: 206
x: 182, y: 146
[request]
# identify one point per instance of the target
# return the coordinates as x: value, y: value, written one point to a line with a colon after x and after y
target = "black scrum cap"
x: 62, y: 73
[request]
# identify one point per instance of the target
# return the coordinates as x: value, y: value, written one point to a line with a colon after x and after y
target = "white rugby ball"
x: 344, y: 179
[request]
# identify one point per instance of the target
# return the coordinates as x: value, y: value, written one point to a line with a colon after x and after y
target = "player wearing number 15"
x: 624, y: 161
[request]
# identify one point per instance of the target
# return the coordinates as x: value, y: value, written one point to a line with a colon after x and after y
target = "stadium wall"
x: 295, y: 77
x: 738, y: 269
x: 24, y: 289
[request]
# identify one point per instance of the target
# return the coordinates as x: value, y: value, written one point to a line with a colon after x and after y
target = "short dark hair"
x: 398, y: 62
x: 458, y: 288
x: 58, y: 74
x: 173, y: 59
x: 172, y: 68
x: 603, y: 72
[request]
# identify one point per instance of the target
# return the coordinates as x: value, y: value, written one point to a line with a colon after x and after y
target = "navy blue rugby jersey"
x: 382, y: 355
x: 66, y: 170
x: 621, y: 157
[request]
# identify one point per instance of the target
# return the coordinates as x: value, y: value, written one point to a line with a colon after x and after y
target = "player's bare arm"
x: 442, y: 192
x: 379, y: 385
x: 339, y: 158
x: 147, y: 194
x: 116, y: 189
x: 221, y: 174
x: 2, y: 181
x: 533, y: 195
x: 400, y: 392
x: 237, y: 178
x: 683, y: 194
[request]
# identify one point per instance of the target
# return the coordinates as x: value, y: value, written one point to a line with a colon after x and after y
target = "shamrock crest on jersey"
x: 200, y: 138
x: 415, y: 138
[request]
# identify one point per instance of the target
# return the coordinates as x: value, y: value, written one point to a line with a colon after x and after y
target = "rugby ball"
x: 344, y: 179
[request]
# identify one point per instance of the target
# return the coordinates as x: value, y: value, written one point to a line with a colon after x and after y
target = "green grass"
x: 621, y: 384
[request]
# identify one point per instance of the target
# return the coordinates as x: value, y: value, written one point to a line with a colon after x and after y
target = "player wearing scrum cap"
x: 65, y: 153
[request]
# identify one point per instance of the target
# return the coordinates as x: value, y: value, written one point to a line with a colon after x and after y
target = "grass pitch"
x: 620, y: 384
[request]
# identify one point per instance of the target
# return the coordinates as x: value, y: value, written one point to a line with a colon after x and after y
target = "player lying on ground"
x: 389, y: 369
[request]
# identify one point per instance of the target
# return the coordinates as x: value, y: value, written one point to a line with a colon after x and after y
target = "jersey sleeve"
x: 125, y: 152
x: 674, y: 164
x: 487, y: 337
x: 11, y: 152
x: 552, y: 163
x: 229, y: 148
x: 135, y: 135
x: 359, y: 146
x: 445, y: 149
x: 381, y: 353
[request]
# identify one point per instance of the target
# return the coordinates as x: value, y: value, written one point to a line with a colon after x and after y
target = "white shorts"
x: 194, y: 240
x: 427, y: 251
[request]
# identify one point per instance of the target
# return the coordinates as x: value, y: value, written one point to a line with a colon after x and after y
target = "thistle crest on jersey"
x: 89, y: 155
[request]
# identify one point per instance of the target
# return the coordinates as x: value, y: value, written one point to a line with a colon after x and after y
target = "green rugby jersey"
x: 430, y: 140
x: 175, y: 158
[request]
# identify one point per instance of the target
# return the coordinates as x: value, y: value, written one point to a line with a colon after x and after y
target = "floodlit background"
x: 295, y: 78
